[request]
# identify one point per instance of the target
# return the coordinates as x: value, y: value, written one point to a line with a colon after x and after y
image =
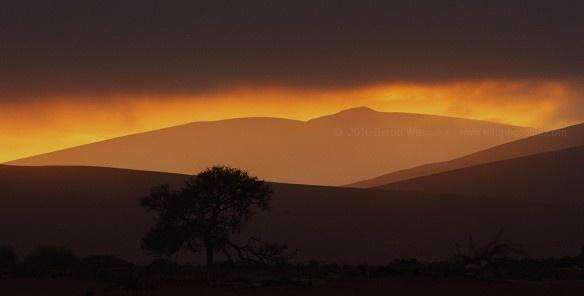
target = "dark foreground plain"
x: 397, y: 286
x: 459, y: 275
x: 95, y: 211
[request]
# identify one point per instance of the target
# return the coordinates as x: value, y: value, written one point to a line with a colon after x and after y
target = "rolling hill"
x: 354, y: 144
x: 95, y: 211
x: 571, y: 136
x: 554, y: 176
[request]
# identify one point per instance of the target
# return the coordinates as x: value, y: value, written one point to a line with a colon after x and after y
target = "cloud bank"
x: 95, y: 49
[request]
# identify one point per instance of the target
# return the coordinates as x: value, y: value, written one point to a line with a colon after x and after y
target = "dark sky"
x: 102, y: 47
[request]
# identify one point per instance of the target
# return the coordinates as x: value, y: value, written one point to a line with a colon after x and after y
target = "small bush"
x: 136, y: 281
x: 52, y: 261
x: 8, y: 258
x: 104, y: 267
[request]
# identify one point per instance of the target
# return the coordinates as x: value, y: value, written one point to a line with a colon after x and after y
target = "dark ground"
x: 405, y: 285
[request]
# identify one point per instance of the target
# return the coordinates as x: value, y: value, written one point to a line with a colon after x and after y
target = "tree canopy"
x: 205, y: 212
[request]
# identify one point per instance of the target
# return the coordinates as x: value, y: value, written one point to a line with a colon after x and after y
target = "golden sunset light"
x: 67, y: 122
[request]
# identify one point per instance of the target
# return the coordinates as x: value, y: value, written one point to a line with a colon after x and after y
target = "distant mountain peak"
x: 361, y: 112
x: 360, y: 109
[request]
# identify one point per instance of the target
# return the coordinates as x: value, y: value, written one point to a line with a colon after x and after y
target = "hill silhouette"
x: 95, y: 211
x: 362, y: 142
x: 567, y: 137
x: 554, y: 176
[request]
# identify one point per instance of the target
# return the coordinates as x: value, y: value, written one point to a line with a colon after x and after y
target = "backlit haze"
x: 37, y: 127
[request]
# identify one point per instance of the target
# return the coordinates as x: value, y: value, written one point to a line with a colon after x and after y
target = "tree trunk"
x: 210, y: 253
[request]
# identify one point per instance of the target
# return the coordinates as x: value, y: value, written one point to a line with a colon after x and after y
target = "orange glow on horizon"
x: 56, y: 124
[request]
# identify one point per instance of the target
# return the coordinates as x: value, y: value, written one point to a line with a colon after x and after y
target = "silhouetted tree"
x: 489, y: 255
x: 204, y: 213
